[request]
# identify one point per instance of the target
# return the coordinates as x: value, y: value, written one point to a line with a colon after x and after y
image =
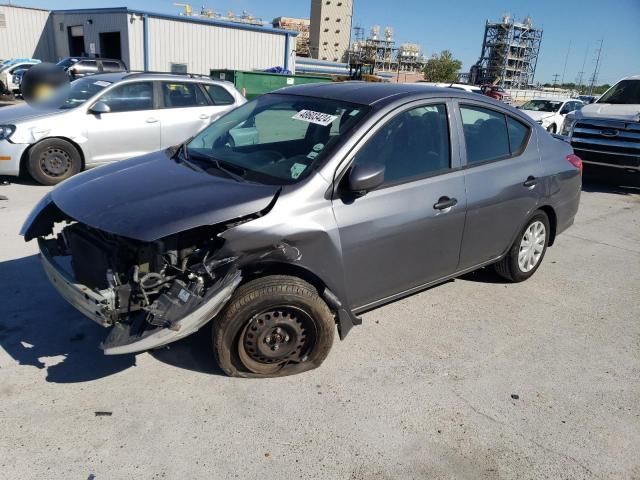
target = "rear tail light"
x: 576, y: 161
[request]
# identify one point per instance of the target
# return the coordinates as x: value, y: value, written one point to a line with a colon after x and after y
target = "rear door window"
x: 112, y: 67
x: 87, y: 66
x: 490, y: 135
x: 183, y: 95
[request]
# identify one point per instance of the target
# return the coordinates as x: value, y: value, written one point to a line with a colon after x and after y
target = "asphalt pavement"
x: 473, y: 379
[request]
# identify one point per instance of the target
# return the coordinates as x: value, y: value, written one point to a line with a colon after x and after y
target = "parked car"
x: 587, y: 99
x: 17, y: 80
x: 607, y: 132
x: 6, y: 73
x: 497, y: 93
x: 106, y: 118
x: 354, y: 196
x: 550, y: 113
x: 78, y: 67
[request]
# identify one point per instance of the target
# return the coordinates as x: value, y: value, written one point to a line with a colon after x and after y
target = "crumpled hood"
x: 607, y: 110
x: 537, y: 116
x: 151, y: 197
x: 16, y: 113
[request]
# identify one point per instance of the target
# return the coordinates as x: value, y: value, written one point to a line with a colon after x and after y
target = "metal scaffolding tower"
x: 509, y: 54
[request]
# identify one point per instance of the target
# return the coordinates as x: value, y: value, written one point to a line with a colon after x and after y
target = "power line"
x: 566, y: 60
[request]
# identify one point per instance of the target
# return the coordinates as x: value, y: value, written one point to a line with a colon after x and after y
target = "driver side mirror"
x: 99, y: 108
x: 364, y: 178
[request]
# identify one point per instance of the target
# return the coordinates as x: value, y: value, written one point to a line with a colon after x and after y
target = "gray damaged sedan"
x: 299, y: 211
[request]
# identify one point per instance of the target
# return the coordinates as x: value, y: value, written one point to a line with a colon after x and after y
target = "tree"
x: 442, y: 67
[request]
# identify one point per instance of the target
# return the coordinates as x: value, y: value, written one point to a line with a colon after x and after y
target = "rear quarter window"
x: 219, y: 95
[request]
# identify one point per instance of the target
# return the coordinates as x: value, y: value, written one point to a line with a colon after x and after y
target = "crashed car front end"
x: 152, y: 293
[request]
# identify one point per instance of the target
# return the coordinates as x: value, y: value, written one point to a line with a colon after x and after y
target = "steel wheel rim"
x: 55, y: 162
x: 532, y: 246
x: 276, y: 337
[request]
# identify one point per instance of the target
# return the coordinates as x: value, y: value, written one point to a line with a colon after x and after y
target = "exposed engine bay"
x: 144, y: 287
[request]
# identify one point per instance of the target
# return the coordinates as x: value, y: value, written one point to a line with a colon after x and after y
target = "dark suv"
x: 78, y: 67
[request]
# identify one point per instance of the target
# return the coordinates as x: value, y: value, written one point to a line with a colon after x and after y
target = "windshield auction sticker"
x: 318, y: 118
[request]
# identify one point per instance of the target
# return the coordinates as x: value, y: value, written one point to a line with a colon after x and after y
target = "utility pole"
x: 566, y: 60
x: 581, y: 72
x: 555, y: 80
x: 596, y: 70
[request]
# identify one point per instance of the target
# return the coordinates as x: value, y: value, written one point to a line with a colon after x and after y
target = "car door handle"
x: 152, y: 120
x: 204, y: 117
x: 444, y: 203
x: 531, y: 181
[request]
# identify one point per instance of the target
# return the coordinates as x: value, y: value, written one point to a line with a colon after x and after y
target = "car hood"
x: 17, y: 113
x: 611, y: 111
x: 536, y: 115
x: 151, y: 197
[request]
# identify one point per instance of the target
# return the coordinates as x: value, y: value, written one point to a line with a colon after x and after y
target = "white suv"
x: 106, y: 118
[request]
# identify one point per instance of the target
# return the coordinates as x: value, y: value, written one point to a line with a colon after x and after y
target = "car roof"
x: 367, y: 93
x: 120, y: 76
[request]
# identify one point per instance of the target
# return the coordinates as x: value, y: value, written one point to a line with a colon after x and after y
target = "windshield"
x: 542, y: 106
x: 76, y: 93
x: 275, y: 139
x: 67, y: 62
x: 626, y: 92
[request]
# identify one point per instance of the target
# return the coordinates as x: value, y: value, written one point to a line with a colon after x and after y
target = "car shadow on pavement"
x: 193, y: 353
x: 21, y: 180
x: 610, y: 180
x: 39, y: 329
x: 484, y: 275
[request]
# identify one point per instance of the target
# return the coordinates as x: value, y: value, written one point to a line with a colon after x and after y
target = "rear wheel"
x: 52, y: 161
x: 273, y: 326
x: 528, y: 250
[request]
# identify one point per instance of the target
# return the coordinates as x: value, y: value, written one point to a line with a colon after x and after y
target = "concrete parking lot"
x: 472, y: 379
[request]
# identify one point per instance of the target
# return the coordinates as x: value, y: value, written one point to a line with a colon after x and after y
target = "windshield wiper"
x: 183, y: 155
x: 220, y: 166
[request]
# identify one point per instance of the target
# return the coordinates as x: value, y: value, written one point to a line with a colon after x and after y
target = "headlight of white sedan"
x: 6, y: 131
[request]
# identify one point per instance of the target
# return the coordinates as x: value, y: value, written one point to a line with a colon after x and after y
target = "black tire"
x: 51, y: 161
x: 552, y: 128
x: 509, y: 267
x: 269, y: 311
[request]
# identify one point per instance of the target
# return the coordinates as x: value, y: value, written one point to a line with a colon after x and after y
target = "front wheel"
x: 272, y: 327
x: 53, y: 160
x: 527, y: 252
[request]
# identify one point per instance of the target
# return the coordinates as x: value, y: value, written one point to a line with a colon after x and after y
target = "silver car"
x: 352, y: 196
x: 106, y: 118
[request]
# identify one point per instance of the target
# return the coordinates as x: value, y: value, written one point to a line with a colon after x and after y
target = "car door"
x: 402, y: 235
x: 130, y: 129
x: 502, y: 170
x: 184, y: 110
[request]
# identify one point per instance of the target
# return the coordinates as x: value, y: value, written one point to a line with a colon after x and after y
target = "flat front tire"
x: 528, y: 250
x: 273, y: 326
x: 51, y: 161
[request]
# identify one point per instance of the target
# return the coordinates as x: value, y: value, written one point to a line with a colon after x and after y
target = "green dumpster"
x: 254, y: 84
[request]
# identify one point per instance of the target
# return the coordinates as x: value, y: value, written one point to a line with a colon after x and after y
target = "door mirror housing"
x: 99, y: 108
x: 364, y: 178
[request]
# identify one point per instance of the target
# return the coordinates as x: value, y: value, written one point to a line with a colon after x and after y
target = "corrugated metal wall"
x: 24, y: 33
x: 204, y: 47
x: 100, y: 23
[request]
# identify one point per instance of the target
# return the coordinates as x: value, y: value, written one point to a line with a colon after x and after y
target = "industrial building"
x: 330, y: 29
x: 146, y: 40
x: 379, y: 50
x: 509, y: 54
x: 300, y: 25
x: 24, y: 33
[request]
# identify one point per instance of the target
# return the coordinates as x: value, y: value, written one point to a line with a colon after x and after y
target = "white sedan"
x: 550, y: 113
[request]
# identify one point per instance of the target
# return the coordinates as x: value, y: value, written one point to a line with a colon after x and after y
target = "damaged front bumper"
x: 100, y: 306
